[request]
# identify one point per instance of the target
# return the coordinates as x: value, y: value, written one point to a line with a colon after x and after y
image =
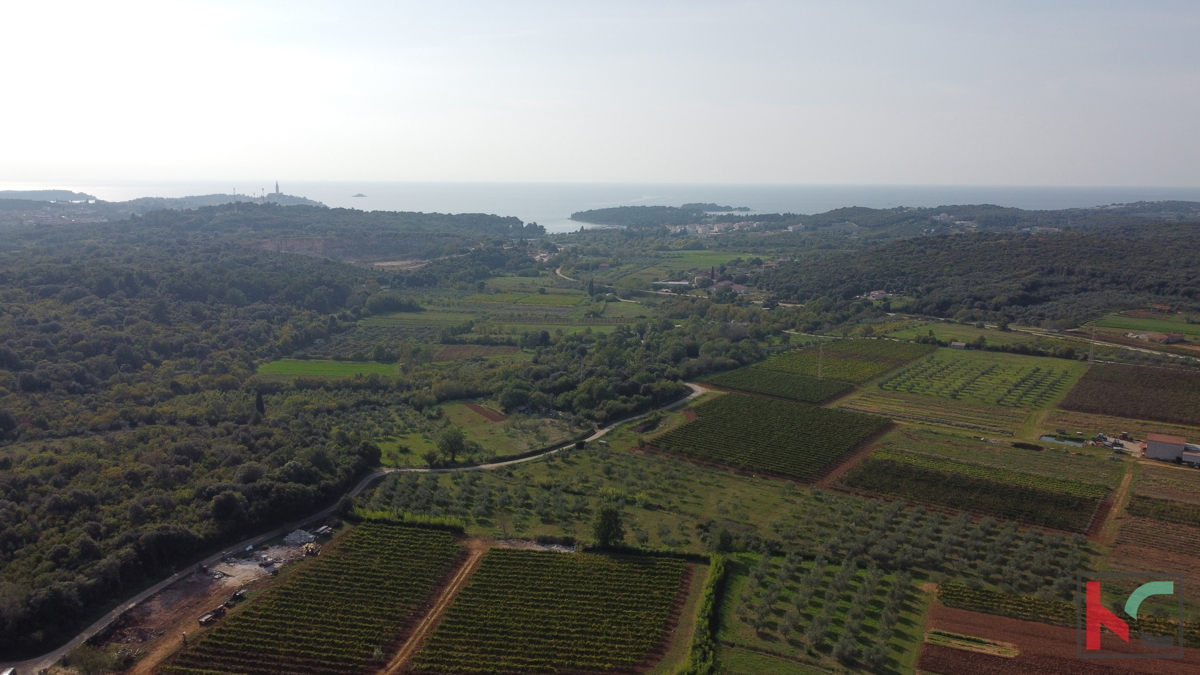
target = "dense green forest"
x: 1039, y: 279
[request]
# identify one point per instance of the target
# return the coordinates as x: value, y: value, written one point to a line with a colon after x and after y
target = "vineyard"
x: 1000, y: 475
x: 1159, y: 394
x: 1165, y: 510
x: 550, y: 612
x: 1148, y: 533
x: 784, y: 385
x: 853, y: 361
x: 1054, y: 612
x: 957, y: 491
x: 776, y: 437
x: 985, y: 379
x: 1024, y: 607
x: 1169, y: 483
x: 916, y: 408
x: 341, y: 614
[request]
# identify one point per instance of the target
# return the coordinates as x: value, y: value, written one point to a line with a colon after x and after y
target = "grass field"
x: 1090, y: 424
x: 1173, y: 323
x: 1087, y: 467
x: 549, y: 612
x: 332, y: 615
x: 986, y: 379
x: 994, y: 473
x: 956, y: 332
x: 315, y: 368
x: 513, y: 436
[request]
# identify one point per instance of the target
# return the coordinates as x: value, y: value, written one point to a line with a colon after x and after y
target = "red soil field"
x: 1044, y: 649
x: 486, y: 413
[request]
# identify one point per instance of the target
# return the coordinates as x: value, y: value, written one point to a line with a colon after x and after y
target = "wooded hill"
x: 1066, y: 277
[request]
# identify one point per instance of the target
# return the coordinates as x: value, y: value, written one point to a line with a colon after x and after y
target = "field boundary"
x: 486, y: 413
x: 853, y: 457
x: 826, y: 401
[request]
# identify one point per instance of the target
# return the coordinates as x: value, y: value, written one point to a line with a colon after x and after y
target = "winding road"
x: 36, y: 664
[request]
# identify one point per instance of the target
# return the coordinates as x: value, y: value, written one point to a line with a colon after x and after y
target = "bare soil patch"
x: 486, y: 413
x: 1044, y: 649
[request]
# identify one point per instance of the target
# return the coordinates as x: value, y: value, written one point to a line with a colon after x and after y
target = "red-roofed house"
x: 1162, y: 446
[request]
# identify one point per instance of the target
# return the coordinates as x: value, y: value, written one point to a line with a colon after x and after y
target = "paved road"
x: 33, y: 665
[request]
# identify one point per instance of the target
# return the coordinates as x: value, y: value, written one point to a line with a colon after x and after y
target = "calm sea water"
x: 551, y: 204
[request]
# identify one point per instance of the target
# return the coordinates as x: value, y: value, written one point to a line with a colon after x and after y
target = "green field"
x: 315, y: 368
x: 1002, y: 420
x: 800, y: 609
x: 956, y: 332
x: 431, y: 318
x: 923, y: 485
x: 988, y: 378
x: 332, y: 615
x: 549, y: 612
x: 784, y: 385
x: 853, y: 361
x: 785, y: 439
x: 1087, y: 467
x: 994, y: 473
x: 1167, y: 324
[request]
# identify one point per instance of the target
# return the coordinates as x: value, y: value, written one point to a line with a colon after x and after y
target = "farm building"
x: 672, y: 284
x: 1162, y: 446
x: 958, y: 345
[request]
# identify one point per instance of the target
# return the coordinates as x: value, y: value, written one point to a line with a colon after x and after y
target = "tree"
x: 431, y: 457
x: 451, y: 442
x: 591, y: 288
x: 609, y: 529
x: 259, y: 404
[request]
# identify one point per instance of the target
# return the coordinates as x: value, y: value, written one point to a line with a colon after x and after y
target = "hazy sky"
x: 1036, y: 93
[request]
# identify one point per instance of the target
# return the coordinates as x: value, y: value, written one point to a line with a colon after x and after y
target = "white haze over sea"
x: 551, y: 204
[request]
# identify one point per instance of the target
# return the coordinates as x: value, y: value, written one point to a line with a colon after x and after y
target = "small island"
x: 358, y: 195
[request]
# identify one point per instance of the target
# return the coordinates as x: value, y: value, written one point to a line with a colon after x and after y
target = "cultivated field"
x: 1085, y: 467
x: 993, y: 473
x: 314, y: 368
x: 918, y: 484
x: 829, y: 606
x: 550, y: 612
x: 1090, y: 424
x: 987, y: 379
x: 1168, y: 482
x: 930, y: 410
x: 776, y: 437
x: 784, y: 385
x: 1150, y: 324
x: 1160, y: 394
x: 853, y: 361
x: 342, y: 613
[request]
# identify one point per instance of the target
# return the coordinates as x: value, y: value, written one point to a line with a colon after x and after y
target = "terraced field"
x: 777, y: 437
x: 332, y: 616
x: 985, y: 379
x: 551, y: 612
x: 917, y: 408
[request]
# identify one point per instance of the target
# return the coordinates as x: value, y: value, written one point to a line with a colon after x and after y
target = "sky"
x: 893, y: 93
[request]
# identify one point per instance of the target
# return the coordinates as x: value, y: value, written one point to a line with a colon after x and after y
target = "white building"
x: 1164, y: 447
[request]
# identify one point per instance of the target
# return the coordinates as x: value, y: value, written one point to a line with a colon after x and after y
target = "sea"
x: 551, y: 204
